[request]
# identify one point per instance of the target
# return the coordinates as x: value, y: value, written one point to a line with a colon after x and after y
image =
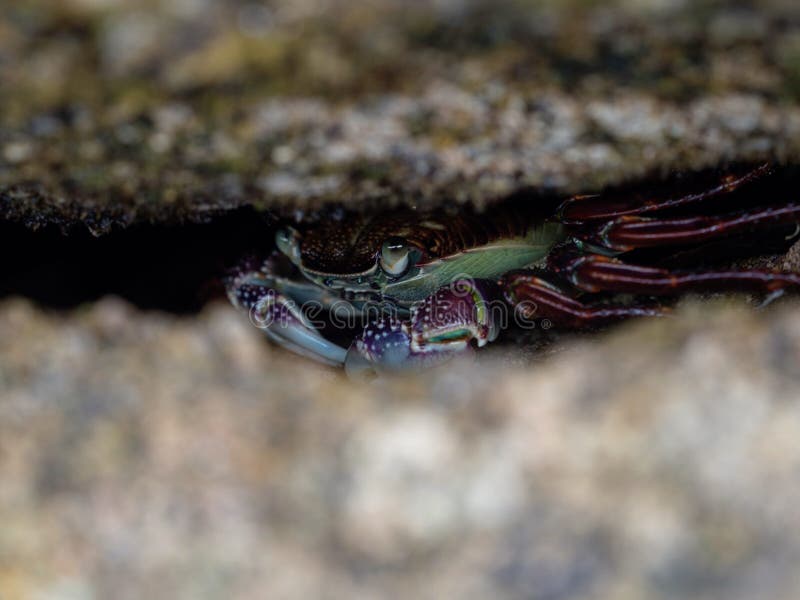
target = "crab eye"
x: 394, y: 256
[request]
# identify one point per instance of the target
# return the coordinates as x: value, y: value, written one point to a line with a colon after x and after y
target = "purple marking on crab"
x: 265, y: 305
x: 453, y: 315
x: 386, y: 345
x: 441, y: 327
x: 248, y: 295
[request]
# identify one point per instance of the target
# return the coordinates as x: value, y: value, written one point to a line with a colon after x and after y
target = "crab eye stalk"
x: 394, y: 256
x: 286, y: 241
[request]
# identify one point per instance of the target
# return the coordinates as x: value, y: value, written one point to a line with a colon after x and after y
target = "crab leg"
x: 626, y: 233
x: 535, y: 297
x: 580, y: 209
x: 596, y: 273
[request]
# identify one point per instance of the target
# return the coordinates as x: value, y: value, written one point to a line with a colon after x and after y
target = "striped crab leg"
x: 590, y: 209
x: 538, y: 298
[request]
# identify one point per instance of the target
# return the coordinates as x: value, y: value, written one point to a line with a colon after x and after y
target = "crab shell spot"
x: 247, y: 295
x: 383, y: 345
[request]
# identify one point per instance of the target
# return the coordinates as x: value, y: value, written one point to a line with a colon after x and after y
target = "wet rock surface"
x: 113, y: 113
x: 148, y: 455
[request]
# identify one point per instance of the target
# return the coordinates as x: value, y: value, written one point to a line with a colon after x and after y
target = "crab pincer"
x: 441, y: 327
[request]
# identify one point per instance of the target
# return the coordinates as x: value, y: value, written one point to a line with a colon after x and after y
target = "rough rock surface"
x: 117, y: 112
x: 144, y: 455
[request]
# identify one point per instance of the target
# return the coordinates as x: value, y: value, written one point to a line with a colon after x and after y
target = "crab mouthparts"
x: 356, y: 282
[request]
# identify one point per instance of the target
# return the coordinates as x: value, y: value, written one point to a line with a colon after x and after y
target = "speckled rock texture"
x: 128, y: 111
x: 147, y: 456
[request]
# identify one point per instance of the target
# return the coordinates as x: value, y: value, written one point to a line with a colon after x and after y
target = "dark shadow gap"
x: 171, y: 268
x: 177, y: 268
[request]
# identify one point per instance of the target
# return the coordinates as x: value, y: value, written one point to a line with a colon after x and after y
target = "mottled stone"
x: 144, y: 455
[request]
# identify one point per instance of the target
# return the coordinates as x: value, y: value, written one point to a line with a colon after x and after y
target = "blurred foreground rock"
x: 144, y: 456
x: 147, y: 456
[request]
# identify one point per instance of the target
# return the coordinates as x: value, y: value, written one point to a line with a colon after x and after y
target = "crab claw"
x: 441, y: 327
x: 454, y: 315
x: 387, y: 345
x: 281, y: 319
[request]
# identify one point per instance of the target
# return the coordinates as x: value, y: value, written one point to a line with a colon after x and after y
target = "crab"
x: 410, y: 289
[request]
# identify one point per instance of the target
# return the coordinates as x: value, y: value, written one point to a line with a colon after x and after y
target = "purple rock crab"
x: 408, y: 289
